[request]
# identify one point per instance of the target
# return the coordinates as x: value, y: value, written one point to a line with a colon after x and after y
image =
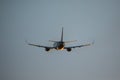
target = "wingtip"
x: 90, y: 43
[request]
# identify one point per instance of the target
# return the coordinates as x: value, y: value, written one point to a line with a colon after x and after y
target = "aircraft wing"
x: 77, y: 46
x: 40, y: 45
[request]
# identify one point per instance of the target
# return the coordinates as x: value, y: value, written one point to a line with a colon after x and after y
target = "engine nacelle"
x: 47, y: 49
x: 69, y: 49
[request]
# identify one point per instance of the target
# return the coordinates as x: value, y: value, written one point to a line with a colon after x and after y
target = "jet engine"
x: 69, y: 49
x: 47, y: 49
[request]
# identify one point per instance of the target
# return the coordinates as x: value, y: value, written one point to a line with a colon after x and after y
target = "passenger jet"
x: 60, y: 45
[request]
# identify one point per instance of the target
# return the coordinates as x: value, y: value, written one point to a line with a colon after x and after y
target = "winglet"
x: 27, y: 42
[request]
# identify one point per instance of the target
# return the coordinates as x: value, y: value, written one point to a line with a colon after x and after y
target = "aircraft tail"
x: 62, y: 35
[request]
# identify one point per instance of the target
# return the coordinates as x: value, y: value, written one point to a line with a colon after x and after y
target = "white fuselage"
x: 59, y: 45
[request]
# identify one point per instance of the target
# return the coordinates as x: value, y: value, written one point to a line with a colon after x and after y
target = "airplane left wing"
x: 41, y: 46
x: 46, y: 47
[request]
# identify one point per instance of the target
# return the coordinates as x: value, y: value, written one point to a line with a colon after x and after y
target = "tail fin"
x: 62, y: 35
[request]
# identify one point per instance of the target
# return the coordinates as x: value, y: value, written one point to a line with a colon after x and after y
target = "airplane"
x: 60, y: 45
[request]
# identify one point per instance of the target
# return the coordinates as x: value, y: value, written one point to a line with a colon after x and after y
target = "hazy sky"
x: 38, y: 21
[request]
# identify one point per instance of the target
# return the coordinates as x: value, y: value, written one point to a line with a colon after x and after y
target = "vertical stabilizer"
x: 62, y: 35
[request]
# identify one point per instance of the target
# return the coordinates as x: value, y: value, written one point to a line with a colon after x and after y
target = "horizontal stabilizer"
x: 53, y: 41
x: 70, y: 41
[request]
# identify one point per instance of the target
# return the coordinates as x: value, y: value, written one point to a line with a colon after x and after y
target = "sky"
x: 39, y: 21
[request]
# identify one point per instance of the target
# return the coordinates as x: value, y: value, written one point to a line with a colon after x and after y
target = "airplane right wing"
x: 78, y: 46
x: 70, y: 47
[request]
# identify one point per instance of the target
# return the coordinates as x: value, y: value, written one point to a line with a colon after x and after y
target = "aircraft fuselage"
x: 59, y: 45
